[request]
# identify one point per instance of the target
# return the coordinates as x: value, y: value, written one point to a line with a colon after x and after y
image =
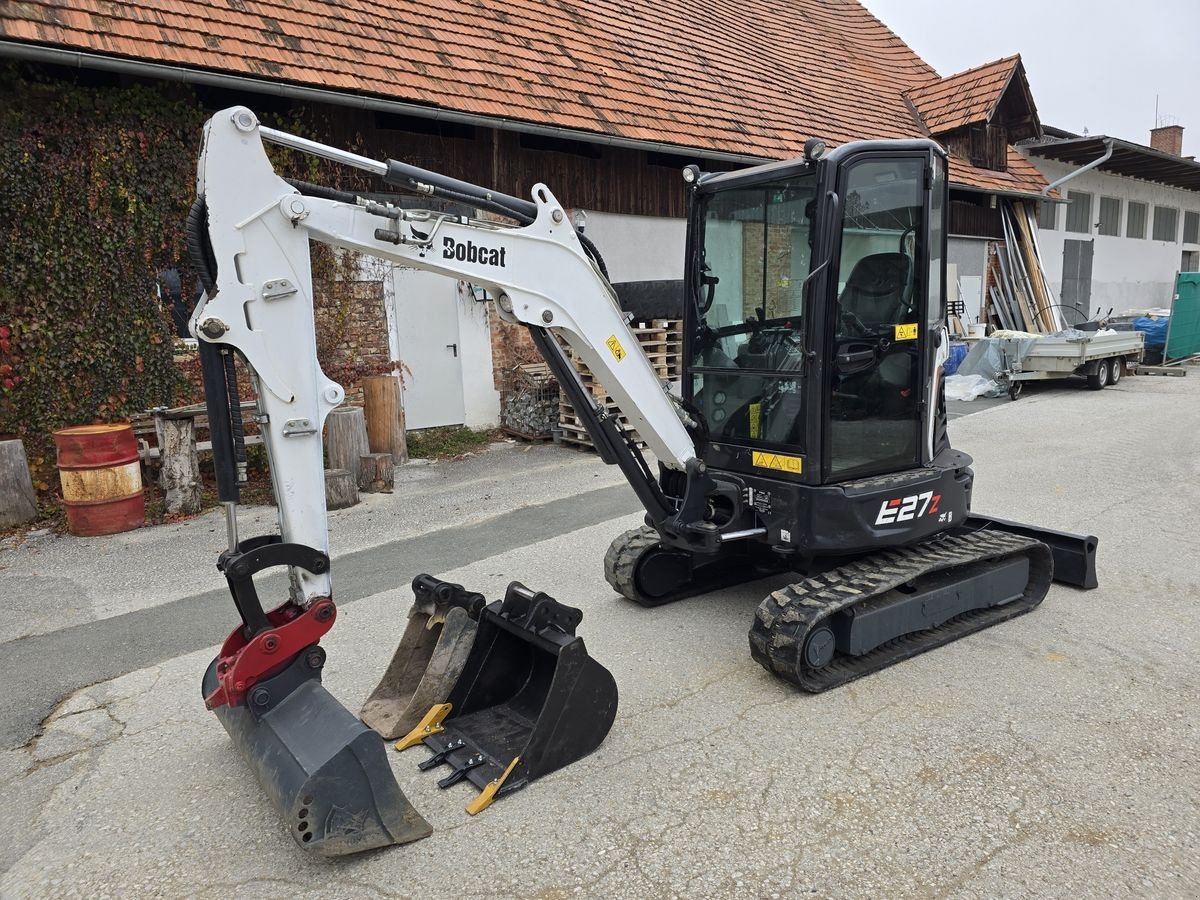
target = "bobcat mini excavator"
x: 810, y: 439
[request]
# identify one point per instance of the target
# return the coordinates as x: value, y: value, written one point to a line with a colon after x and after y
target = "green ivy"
x: 95, y: 186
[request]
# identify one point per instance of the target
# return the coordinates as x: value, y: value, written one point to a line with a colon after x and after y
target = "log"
x: 385, y: 417
x: 341, y: 489
x: 346, y: 438
x: 376, y: 472
x: 179, y: 473
x: 18, y: 502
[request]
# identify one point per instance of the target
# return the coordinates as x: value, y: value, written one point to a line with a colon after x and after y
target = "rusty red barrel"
x: 101, y: 479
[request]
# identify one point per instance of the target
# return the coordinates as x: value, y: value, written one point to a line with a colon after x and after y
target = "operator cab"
x: 815, y: 309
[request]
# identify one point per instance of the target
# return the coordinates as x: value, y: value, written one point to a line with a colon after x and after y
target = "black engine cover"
x: 867, y: 514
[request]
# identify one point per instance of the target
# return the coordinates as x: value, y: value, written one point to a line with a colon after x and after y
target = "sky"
x: 1097, y: 65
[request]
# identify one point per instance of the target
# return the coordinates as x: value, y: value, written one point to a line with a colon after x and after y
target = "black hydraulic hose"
x: 413, y: 178
x: 594, y: 252
x: 308, y: 189
x: 199, y: 247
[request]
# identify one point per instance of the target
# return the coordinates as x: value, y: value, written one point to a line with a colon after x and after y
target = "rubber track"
x: 786, y: 617
x: 622, y: 558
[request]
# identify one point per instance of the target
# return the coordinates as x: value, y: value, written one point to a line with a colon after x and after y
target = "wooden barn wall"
x: 604, y: 178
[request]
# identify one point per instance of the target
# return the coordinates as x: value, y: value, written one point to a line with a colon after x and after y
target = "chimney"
x: 1168, y: 139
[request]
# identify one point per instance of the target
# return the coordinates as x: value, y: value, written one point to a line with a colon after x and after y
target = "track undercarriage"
x: 859, y: 616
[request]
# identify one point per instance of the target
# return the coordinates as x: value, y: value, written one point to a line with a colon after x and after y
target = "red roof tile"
x: 752, y: 77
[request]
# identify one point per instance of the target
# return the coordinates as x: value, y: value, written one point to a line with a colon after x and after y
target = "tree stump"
x: 376, y: 472
x: 346, y: 439
x: 385, y: 417
x: 18, y: 502
x: 179, y: 472
x: 341, y: 489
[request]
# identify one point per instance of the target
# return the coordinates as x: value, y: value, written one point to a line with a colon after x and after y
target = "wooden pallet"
x: 661, y: 340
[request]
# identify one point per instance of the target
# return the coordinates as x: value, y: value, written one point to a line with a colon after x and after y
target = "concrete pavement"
x: 1053, y: 755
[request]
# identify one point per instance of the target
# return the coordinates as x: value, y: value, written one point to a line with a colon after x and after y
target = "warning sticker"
x: 907, y: 332
x: 614, y: 345
x: 755, y: 420
x: 777, y: 461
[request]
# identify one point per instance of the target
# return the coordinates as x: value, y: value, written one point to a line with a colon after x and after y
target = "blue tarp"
x: 1154, y: 329
x: 957, y: 353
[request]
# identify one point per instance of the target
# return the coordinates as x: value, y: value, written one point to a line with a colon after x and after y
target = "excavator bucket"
x: 429, y: 659
x: 529, y: 700
x: 326, y: 772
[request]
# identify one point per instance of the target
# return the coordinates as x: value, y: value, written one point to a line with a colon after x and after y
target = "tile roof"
x: 1022, y: 176
x: 964, y: 98
x: 752, y: 77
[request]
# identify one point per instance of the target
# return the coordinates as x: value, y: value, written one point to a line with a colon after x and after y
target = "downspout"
x: 1108, y: 152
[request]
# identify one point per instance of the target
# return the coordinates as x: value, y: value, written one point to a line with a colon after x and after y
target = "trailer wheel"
x: 1116, y: 369
x: 1099, y: 379
x: 1014, y: 390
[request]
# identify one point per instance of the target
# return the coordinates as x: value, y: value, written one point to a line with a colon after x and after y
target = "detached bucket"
x: 101, y: 478
x: 326, y: 773
x: 529, y: 701
x: 429, y: 659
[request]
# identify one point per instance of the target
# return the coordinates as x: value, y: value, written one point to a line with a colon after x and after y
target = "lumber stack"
x: 661, y: 340
x: 1017, y: 295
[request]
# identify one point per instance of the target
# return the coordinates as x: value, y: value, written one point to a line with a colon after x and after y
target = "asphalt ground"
x: 1053, y: 755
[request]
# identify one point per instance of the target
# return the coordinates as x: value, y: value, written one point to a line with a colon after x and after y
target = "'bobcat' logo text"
x: 472, y: 252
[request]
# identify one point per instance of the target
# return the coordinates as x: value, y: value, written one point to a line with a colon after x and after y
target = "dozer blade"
x: 528, y: 702
x: 429, y: 659
x: 326, y: 772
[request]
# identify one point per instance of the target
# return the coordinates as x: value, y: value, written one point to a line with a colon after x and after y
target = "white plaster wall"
x: 1127, y: 273
x: 638, y: 248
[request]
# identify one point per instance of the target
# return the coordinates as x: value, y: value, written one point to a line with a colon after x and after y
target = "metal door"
x: 1077, y: 281
x: 427, y: 338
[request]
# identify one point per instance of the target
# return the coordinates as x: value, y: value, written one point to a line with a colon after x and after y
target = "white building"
x: 1127, y: 225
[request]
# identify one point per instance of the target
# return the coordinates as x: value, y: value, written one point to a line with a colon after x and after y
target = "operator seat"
x: 876, y: 287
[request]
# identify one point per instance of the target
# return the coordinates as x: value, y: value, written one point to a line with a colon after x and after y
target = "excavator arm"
x: 260, y: 302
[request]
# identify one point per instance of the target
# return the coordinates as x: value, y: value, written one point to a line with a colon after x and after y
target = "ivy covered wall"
x: 95, y: 185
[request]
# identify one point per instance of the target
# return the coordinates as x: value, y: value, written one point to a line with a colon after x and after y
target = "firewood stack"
x: 529, y: 406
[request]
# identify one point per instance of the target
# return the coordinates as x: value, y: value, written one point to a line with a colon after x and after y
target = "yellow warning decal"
x: 906, y: 332
x: 778, y: 462
x: 615, y: 346
x: 755, y: 420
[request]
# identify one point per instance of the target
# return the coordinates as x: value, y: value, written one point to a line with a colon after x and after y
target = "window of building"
x: 1191, y: 228
x: 1190, y: 262
x: 1135, y: 223
x: 1166, y: 224
x: 1110, y: 216
x: 1048, y: 215
x: 1079, y: 212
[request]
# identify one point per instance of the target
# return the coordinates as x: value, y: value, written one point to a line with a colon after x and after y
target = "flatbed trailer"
x: 1099, y: 358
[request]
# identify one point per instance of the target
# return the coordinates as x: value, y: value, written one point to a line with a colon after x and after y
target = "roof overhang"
x: 1128, y: 159
x: 78, y: 59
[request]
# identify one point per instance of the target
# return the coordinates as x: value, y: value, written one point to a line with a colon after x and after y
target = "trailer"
x: 1098, y: 357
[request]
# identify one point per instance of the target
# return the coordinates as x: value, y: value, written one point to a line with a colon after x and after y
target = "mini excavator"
x: 807, y: 441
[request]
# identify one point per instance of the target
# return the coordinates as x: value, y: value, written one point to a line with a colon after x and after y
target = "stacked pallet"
x: 661, y: 340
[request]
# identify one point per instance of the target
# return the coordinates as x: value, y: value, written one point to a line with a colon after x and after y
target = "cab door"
x: 878, y: 316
